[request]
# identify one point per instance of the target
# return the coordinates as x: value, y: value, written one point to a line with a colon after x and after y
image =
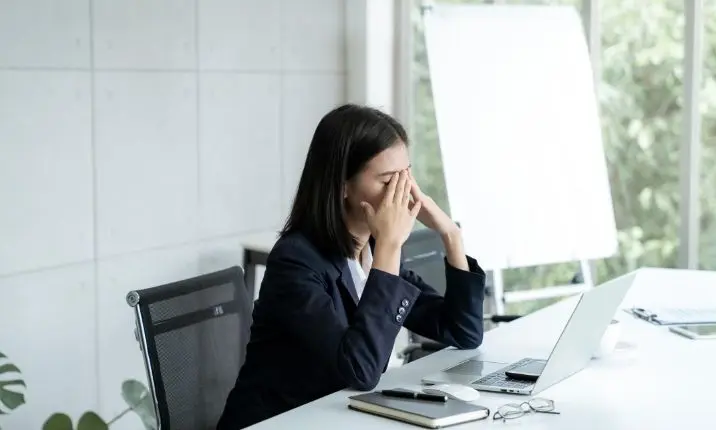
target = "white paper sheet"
x: 519, y: 133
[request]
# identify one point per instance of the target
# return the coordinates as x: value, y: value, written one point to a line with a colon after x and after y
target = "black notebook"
x: 419, y: 412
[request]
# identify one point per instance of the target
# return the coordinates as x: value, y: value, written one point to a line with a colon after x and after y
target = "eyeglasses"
x: 511, y: 411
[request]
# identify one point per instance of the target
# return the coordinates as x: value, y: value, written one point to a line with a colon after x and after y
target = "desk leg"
x: 253, y: 258
x: 250, y: 276
x: 251, y: 281
x: 489, y: 307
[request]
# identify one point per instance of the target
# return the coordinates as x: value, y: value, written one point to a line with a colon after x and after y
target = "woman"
x: 333, y: 296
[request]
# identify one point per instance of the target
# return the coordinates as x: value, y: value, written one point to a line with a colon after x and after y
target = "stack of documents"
x: 675, y: 316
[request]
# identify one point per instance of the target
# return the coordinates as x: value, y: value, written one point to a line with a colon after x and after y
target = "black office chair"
x: 424, y: 254
x: 193, y: 335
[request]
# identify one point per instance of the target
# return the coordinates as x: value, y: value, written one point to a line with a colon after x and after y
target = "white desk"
x: 655, y: 380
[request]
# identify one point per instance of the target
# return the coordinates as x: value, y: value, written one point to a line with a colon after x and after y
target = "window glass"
x: 707, y: 254
x: 641, y: 102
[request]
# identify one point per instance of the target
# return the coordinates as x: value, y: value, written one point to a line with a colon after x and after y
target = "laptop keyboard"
x: 499, y: 379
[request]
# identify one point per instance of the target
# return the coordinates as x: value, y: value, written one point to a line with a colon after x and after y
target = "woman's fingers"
x: 407, y: 191
x: 414, y: 189
x: 416, y: 209
x: 400, y: 190
x: 390, y: 192
x: 367, y: 209
x: 394, y: 219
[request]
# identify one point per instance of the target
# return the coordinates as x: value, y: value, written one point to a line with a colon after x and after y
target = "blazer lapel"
x: 345, y: 280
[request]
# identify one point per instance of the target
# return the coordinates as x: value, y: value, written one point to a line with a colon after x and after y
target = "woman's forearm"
x: 386, y: 257
x: 455, y: 250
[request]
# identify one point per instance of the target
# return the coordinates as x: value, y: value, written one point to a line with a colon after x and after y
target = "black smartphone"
x: 527, y: 372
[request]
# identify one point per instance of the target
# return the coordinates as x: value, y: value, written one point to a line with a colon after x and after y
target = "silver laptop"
x: 574, y: 349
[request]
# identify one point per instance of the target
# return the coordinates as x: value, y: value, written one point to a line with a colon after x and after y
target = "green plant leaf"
x: 133, y: 392
x: 6, y: 368
x: 139, y: 400
x: 58, y: 422
x: 91, y: 421
x: 10, y: 397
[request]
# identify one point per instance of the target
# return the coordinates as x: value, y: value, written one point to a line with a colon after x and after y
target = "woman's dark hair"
x: 345, y: 140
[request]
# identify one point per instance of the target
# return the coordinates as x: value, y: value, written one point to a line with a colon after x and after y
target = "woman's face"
x: 370, y: 184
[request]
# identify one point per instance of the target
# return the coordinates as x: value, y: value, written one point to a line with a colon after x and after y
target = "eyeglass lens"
x: 541, y: 405
x: 514, y: 410
x: 509, y: 411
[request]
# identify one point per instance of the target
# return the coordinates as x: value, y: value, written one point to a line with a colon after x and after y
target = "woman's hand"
x: 431, y: 216
x: 391, y: 222
x: 436, y: 219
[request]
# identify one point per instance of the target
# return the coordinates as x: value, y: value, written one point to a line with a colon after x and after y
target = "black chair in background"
x: 193, y: 335
x: 424, y: 254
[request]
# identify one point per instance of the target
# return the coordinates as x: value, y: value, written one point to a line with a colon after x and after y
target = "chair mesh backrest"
x: 196, y: 332
x: 424, y: 253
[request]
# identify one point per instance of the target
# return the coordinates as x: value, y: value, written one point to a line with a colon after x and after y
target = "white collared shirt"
x: 359, y: 271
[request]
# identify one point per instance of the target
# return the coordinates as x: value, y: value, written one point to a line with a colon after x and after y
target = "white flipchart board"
x: 519, y: 133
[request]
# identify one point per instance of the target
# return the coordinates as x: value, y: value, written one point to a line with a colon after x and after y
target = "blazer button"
x: 399, y: 318
x: 405, y: 302
x: 401, y: 310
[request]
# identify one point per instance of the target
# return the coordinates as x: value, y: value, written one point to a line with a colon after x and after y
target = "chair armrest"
x: 431, y: 345
x: 503, y: 318
x: 425, y: 346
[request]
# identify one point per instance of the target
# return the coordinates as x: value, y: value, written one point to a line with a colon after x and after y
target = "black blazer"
x: 311, y: 336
